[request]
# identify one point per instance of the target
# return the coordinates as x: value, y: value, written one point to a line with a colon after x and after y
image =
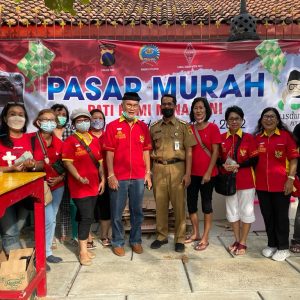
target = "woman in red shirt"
x: 238, y: 154
x: 51, y: 145
x: 16, y: 155
x: 275, y: 174
x: 102, y: 210
x: 81, y: 152
x: 203, y: 173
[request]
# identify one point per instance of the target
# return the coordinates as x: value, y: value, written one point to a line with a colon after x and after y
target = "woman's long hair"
x: 4, y: 129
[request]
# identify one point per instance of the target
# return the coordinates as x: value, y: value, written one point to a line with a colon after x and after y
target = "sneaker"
x: 268, y: 251
x: 281, y: 255
x: 53, y: 259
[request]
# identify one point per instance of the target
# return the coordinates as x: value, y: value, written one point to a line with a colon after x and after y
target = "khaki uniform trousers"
x: 167, y: 187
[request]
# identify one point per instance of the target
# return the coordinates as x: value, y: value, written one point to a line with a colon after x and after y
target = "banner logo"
x: 149, y: 54
x: 107, y: 55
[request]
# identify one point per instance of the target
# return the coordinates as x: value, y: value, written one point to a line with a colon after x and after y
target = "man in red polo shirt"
x: 127, y: 142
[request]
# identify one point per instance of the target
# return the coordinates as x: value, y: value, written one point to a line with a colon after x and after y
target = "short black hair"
x: 234, y: 109
x: 170, y: 96
x: 60, y: 107
x: 206, y: 105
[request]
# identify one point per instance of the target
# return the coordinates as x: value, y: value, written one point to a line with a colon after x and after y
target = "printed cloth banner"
x: 96, y: 73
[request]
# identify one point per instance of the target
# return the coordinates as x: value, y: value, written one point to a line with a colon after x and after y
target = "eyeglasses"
x: 293, y: 86
x: 134, y: 106
x: 269, y: 117
x: 231, y: 120
x: 47, y: 120
x: 82, y: 120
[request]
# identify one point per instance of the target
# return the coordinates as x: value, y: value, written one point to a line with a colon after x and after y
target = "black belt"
x: 168, y: 161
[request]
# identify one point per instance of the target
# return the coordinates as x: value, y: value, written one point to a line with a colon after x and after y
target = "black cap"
x: 131, y: 96
x: 294, y: 75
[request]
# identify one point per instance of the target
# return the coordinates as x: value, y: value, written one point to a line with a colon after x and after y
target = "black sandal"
x: 295, y: 248
x: 91, y: 245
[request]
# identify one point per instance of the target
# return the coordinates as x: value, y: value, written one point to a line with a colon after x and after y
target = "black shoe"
x: 179, y: 247
x: 157, y: 244
x: 48, y: 269
x: 53, y: 259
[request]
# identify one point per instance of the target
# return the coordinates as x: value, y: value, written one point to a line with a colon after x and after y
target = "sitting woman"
x: 238, y: 154
x: 52, y: 148
x: 16, y: 155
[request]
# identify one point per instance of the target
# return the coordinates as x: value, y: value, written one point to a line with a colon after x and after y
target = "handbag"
x: 225, y: 184
x: 59, y: 167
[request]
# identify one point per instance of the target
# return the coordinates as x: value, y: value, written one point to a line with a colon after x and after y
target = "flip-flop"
x: 233, y: 247
x: 105, y: 242
x: 240, y: 250
x: 295, y: 248
x: 189, y: 239
x: 201, y: 246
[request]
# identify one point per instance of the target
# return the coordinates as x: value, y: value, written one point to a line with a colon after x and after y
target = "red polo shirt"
x: 200, y: 160
x: 54, y: 153
x: 274, y: 153
x: 75, y: 152
x: 246, y: 150
x: 21, y: 145
x: 128, y: 144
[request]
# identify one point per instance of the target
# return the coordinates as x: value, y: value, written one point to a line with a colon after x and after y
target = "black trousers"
x: 85, y: 214
x: 274, y: 207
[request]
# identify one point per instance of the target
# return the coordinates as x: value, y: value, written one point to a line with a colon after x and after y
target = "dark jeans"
x: 274, y: 207
x: 296, y: 235
x: 85, y: 212
x: 102, y: 209
x: 206, y: 191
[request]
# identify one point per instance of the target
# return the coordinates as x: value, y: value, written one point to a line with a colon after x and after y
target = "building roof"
x: 135, y: 12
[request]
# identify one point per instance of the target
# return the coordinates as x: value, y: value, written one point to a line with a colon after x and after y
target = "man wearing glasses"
x: 172, y: 141
x: 127, y: 142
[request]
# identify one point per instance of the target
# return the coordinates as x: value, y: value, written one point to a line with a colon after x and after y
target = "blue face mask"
x: 62, y: 120
x: 48, y: 126
x: 97, y: 124
x: 83, y: 126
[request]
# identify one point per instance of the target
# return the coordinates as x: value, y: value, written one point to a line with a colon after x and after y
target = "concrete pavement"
x: 164, y: 274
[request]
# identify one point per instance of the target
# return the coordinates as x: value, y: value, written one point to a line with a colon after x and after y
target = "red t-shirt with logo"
x: 274, y: 152
x: 200, y: 160
x: 246, y: 150
x: 20, y: 145
x: 75, y: 152
x: 128, y: 144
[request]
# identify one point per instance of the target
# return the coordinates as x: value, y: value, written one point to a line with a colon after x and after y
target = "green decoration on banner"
x: 272, y: 58
x: 36, y: 61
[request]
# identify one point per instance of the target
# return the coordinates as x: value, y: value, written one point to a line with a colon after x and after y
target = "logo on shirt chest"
x: 79, y: 151
x: 243, y: 152
x: 120, y: 134
x: 142, y: 138
x: 278, y: 154
x: 262, y: 148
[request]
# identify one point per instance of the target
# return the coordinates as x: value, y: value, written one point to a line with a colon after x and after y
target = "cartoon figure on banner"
x: 292, y: 91
x: 36, y: 62
x: 107, y: 53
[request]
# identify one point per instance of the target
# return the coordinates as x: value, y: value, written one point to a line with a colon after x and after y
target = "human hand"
x: 186, y: 180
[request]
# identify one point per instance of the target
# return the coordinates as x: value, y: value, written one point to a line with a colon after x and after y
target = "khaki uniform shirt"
x: 170, y: 140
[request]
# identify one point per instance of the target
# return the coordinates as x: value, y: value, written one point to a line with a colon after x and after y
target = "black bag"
x: 225, y: 184
x: 59, y: 167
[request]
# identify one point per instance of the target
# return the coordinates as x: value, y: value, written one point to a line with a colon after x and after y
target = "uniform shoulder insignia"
x: 154, y: 123
x: 182, y: 121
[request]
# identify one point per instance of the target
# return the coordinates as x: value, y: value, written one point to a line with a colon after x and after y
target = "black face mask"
x: 167, y: 112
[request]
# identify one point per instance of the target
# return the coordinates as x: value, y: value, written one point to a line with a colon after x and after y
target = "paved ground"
x: 164, y: 274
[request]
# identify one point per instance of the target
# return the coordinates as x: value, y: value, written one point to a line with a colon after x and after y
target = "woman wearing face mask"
x: 52, y: 148
x: 102, y: 210
x: 83, y: 160
x: 67, y: 210
x: 14, y: 141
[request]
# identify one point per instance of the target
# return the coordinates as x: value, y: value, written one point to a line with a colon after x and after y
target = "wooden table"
x: 13, y: 188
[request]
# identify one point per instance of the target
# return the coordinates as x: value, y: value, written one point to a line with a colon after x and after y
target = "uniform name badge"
x: 176, y: 145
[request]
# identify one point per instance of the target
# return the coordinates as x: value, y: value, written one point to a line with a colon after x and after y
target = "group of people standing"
x: 102, y: 169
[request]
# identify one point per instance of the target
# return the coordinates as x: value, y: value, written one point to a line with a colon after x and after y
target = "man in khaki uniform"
x: 172, y: 141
